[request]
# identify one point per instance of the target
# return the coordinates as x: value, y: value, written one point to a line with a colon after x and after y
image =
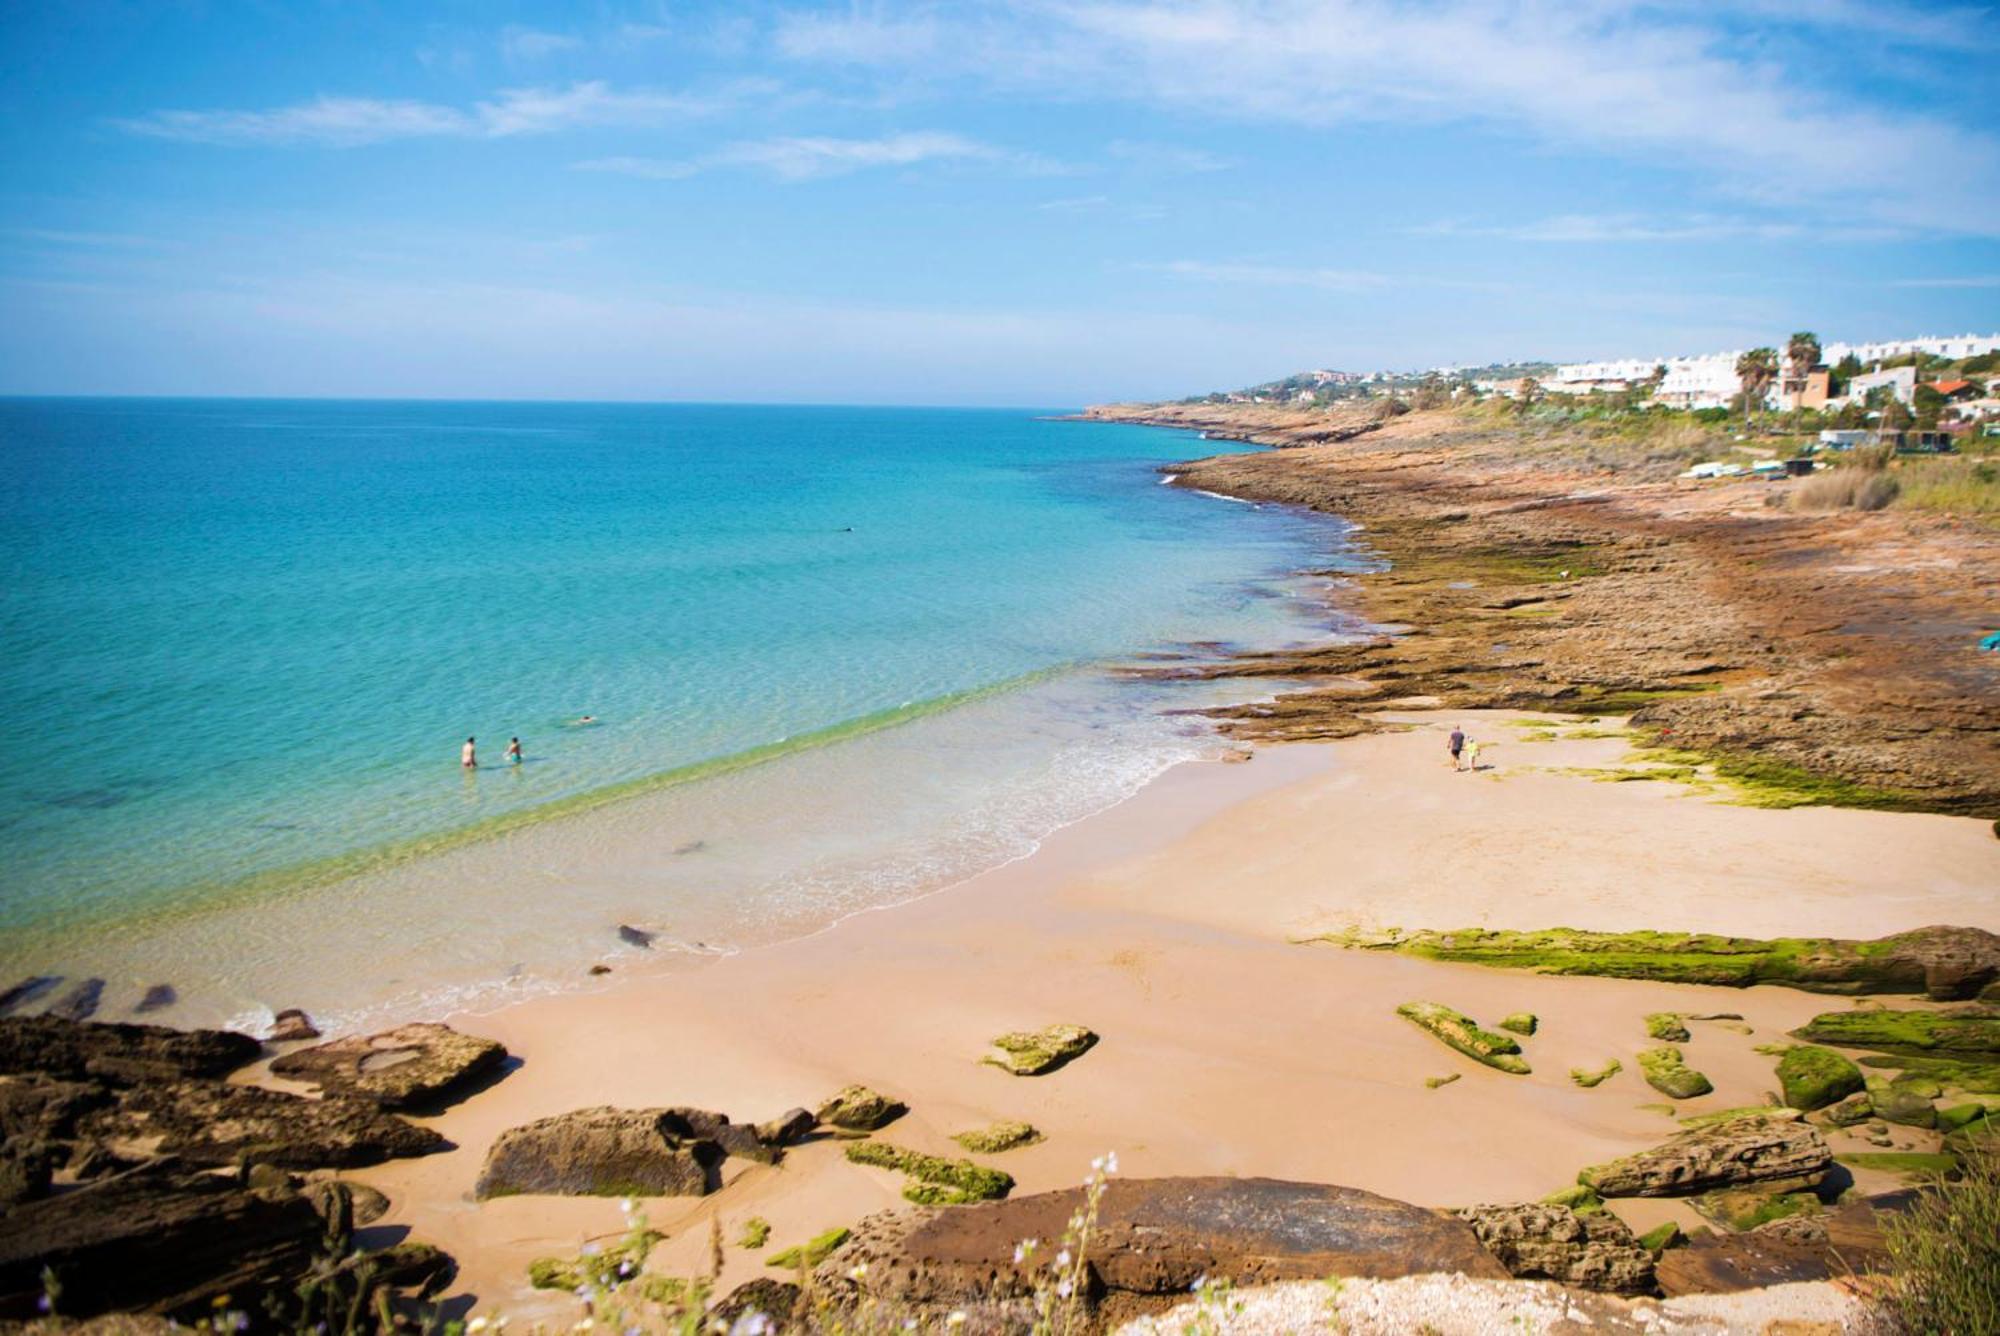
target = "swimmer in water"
x: 586, y: 719
x: 469, y: 758
x: 514, y: 751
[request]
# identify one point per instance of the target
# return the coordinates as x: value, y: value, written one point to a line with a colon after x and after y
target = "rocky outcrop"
x: 1944, y: 963
x: 210, y: 1123
x: 763, y: 1142
x: 1154, y: 1239
x: 420, y: 1064
x: 856, y: 1108
x: 291, y: 1026
x: 603, y: 1152
x: 775, y: 1299
x: 1813, y: 1078
x: 1595, y: 1251
x: 1461, y: 1032
x: 1972, y: 1031
x: 1842, y: 1242
x: 1721, y: 1155
x: 1038, y: 1052
x: 121, y: 1053
x: 155, y: 1240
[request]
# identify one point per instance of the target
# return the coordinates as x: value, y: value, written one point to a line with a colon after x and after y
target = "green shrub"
x: 1944, y: 1253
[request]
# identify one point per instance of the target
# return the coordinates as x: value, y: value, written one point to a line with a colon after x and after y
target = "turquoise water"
x: 243, y: 641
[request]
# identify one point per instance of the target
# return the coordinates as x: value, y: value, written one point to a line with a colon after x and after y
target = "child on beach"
x: 1471, y: 755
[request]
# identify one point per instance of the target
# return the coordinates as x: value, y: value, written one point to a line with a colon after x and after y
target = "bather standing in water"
x: 514, y: 751
x: 468, y: 757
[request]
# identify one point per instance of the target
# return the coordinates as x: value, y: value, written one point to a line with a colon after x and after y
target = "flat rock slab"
x: 74, y: 1049
x: 1730, y: 1154
x: 1155, y: 1238
x: 601, y: 1152
x: 209, y: 1123
x: 1844, y: 1241
x: 409, y: 1065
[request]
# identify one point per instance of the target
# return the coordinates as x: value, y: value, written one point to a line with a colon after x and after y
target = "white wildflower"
x: 859, y: 1272
x: 1064, y: 1288
x: 584, y: 1324
x: 477, y: 1325
x: 956, y: 1318
x: 1111, y: 1163
x: 1062, y: 1258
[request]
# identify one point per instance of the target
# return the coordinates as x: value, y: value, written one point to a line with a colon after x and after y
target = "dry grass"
x: 1954, y: 486
x: 1847, y: 488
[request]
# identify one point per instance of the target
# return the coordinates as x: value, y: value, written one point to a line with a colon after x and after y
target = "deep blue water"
x: 242, y: 641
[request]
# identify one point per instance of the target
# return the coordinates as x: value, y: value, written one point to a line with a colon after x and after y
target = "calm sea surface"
x: 837, y: 656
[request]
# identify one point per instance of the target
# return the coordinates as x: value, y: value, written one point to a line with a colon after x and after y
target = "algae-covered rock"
x: 1904, y: 1103
x: 811, y: 1253
x: 1576, y: 1197
x: 1855, y: 1109
x: 1743, y: 1209
x: 1814, y: 1077
x: 1730, y: 1154
x: 1943, y: 962
x: 1661, y: 1237
x: 859, y: 1109
x: 1036, y: 1052
x: 1667, y: 1027
x: 1972, y: 1031
x: 1434, y: 1082
x: 1720, y: 1116
x: 1978, y: 1078
x: 755, y: 1234
x: 1541, y: 1242
x: 1461, y: 1032
x: 1590, y: 1080
x: 602, y: 1152
x: 1957, y: 1116
x: 1521, y: 1022
x: 940, y: 1182
x: 1001, y: 1136
x: 413, y: 1064
x: 1666, y: 1073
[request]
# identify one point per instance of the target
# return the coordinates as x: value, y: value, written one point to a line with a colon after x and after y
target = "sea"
x: 830, y: 659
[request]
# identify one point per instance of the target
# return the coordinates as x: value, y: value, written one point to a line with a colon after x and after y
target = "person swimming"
x: 583, y: 721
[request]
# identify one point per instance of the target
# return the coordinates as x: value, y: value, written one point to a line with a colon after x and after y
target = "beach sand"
x: 1167, y: 924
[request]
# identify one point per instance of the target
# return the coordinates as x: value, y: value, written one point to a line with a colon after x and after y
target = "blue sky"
x: 1037, y: 204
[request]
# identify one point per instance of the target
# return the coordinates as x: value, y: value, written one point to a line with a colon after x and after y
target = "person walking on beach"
x: 1471, y: 755
x: 469, y: 758
x: 514, y: 751
x: 1457, y: 745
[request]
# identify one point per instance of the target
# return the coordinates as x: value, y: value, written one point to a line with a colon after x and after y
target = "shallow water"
x: 839, y: 656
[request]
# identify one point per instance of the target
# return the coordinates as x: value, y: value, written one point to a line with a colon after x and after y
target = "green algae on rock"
x: 1742, y: 1209
x: 1767, y: 1112
x: 1813, y: 1078
x: 1462, y: 1033
x: 1970, y: 1030
x: 1521, y: 1022
x: 756, y: 1233
x: 1035, y: 1052
x: 1975, y: 1078
x: 1576, y: 1197
x: 1662, y: 1237
x: 1667, y: 1027
x: 1433, y: 1082
x: 940, y: 1182
x: 1001, y: 1136
x: 1915, y: 1163
x: 1946, y: 963
x: 807, y: 1255
x: 1666, y: 1073
x: 1590, y: 1080
x: 1904, y: 1101
x: 856, y: 1108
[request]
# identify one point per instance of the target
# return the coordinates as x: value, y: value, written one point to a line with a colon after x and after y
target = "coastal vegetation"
x: 1945, y: 1252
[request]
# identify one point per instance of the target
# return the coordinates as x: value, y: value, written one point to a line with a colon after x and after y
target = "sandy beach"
x: 1170, y: 925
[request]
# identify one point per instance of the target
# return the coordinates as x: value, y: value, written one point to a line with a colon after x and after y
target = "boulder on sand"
x: 411, y: 1064
x: 763, y: 1142
x: 115, y: 1052
x: 1972, y: 1030
x: 1665, y: 1071
x: 1729, y: 1154
x: 1843, y: 1242
x: 1154, y: 1238
x: 1594, y: 1251
x: 1461, y: 1032
x: 211, y: 1123
x: 290, y: 1026
x: 1813, y: 1077
x: 1037, y: 1052
x: 601, y: 1152
x: 856, y: 1108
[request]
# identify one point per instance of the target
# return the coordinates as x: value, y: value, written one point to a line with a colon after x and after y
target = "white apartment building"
x: 1901, y: 382
x: 1710, y: 380
x: 1953, y: 346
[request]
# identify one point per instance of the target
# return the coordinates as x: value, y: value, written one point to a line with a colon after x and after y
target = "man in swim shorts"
x: 469, y: 758
x: 514, y: 751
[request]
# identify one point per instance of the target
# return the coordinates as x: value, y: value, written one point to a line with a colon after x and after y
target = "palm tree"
x: 1801, y: 356
x: 1755, y: 370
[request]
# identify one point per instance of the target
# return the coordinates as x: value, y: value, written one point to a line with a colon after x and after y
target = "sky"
x: 1006, y: 204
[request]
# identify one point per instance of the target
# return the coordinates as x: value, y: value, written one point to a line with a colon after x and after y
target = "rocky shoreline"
x: 1809, y: 658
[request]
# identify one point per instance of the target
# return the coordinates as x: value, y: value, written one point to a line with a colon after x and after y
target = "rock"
x: 738, y: 1139
x: 26, y: 991
x: 1534, y: 1242
x: 119, y: 1053
x: 809, y: 1254
x: 420, y: 1267
x: 350, y: 1204
x: 411, y: 1064
x: 1668, y: 1027
x: 788, y: 1128
x: 1957, y: 1116
x: 1439, y: 1082
x: 1462, y: 1033
x: 155, y: 1240
x: 210, y: 1123
x: 1813, y: 1077
x: 1843, y: 1242
x: 1897, y: 1102
x: 1945, y: 963
x: 1666, y: 1073
x: 1521, y: 1022
x: 290, y: 1026
x: 45, y: 1110
x: 1037, y: 1052
x: 1742, y: 1209
x: 1001, y: 1136
x: 1576, y: 1197
x: 1766, y: 1111
x: 859, y: 1109
x: 79, y: 1003
x: 776, y: 1300
x: 939, y: 1182
x: 1857, y: 1108
x: 25, y: 1174
x: 1748, y: 1150
x: 1154, y: 1239
x: 601, y: 1152
x: 600, y: 969
x: 1589, y: 1079
x: 1971, y: 1030
x: 638, y: 937
x: 1662, y: 1237
x: 158, y: 997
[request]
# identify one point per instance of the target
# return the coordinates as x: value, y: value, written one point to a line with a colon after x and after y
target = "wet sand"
x: 1167, y: 924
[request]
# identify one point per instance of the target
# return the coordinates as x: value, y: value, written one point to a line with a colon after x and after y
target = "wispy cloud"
x: 1969, y: 281
x: 1271, y: 276
x: 1670, y: 86
x: 348, y: 122
x: 807, y: 158
x: 86, y: 240
x: 522, y: 44
x: 1170, y: 158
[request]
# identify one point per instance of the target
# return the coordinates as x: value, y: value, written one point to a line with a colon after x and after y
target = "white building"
x: 1954, y: 346
x: 1901, y: 381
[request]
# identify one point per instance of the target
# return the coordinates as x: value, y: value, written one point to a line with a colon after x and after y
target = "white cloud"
x: 1969, y: 281
x: 529, y: 44
x: 1272, y: 276
x: 1166, y: 157
x: 1661, y: 85
x: 806, y: 158
x: 347, y: 122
